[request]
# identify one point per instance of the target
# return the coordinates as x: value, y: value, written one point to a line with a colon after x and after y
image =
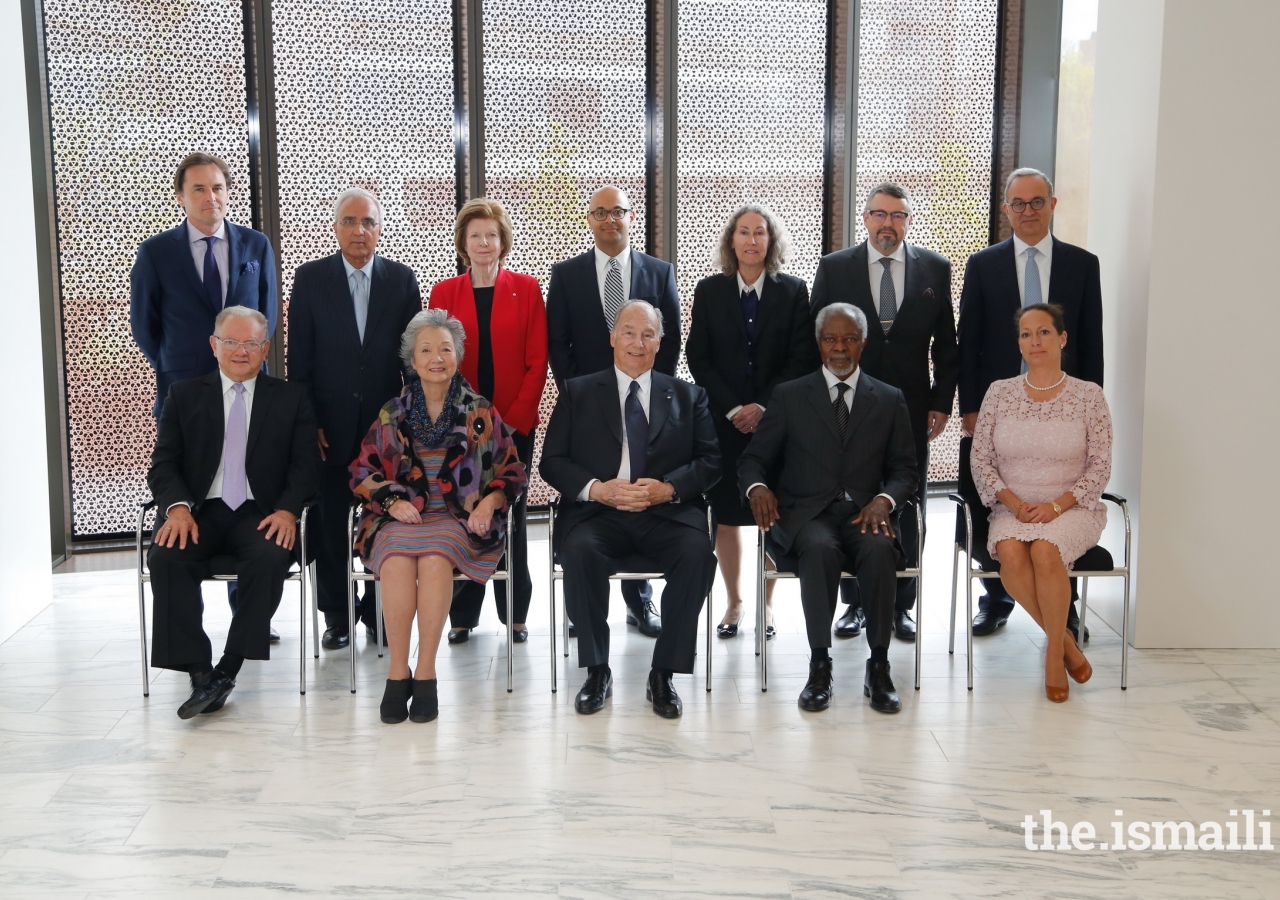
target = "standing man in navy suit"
x: 185, y: 276
x: 1030, y: 267
x: 583, y: 301
x: 346, y: 315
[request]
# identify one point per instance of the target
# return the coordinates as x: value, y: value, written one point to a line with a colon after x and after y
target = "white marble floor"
x: 106, y: 794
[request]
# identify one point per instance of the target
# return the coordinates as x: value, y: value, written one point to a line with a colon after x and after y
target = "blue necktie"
x: 360, y: 297
x: 212, y: 280
x: 637, y: 432
x: 1031, y: 294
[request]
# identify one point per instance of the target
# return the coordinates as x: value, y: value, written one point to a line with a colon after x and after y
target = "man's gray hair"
x: 841, y: 309
x: 891, y: 189
x: 779, y: 241
x: 355, y: 192
x: 241, y: 312
x: 1026, y: 170
x: 653, y: 311
x: 431, y: 318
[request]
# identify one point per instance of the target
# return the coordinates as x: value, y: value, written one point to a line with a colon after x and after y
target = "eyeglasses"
x: 250, y: 346
x: 351, y: 221
x: 1036, y: 203
x: 618, y: 213
x: 880, y: 214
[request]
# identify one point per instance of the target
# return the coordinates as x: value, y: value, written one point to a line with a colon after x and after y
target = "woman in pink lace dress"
x: 1041, y: 459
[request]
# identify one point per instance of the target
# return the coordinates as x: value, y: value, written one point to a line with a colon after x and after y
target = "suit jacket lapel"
x: 187, y: 262
x: 235, y: 252
x: 821, y: 399
x: 343, y: 306
x: 771, y: 290
x: 214, y: 418
x: 637, y: 267
x: 610, y: 408
x: 1057, y: 274
x: 262, y: 396
x: 863, y: 399
x: 377, y: 308
x: 1009, y: 269
x: 860, y: 282
x: 660, y: 398
x: 731, y: 301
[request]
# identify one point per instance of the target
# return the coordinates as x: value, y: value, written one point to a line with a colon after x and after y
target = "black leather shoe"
x: 850, y: 624
x: 520, y: 635
x: 371, y: 632
x: 335, y: 638
x: 426, y: 703
x: 573, y: 631
x: 394, y: 708
x: 662, y: 694
x: 273, y: 636
x: 460, y: 637
x: 728, y: 630
x: 1073, y: 624
x: 770, y: 632
x: 818, y: 690
x: 208, y: 692
x: 986, y: 622
x: 595, y: 689
x: 903, y: 628
x: 879, y: 687
x: 646, y: 619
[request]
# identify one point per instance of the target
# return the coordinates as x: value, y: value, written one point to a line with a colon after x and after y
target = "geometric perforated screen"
x: 564, y: 113
x: 364, y: 98
x: 133, y: 87
x: 750, y: 111
x: 926, y: 83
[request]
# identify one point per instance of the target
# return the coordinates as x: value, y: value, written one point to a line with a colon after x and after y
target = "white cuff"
x: 733, y: 412
x: 752, y: 487
x: 179, y: 503
x: 892, y: 505
x: 585, y: 494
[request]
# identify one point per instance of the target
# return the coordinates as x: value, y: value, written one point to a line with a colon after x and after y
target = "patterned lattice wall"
x: 926, y: 82
x: 750, y: 113
x: 132, y: 89
x: 564, y: 109
x: 364, y: 98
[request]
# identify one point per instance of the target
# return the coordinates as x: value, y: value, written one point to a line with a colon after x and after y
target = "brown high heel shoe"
x: 1057, y: 694
x: 1081, y: 673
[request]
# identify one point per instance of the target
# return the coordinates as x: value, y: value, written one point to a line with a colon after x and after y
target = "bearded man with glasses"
x: 583, y: 301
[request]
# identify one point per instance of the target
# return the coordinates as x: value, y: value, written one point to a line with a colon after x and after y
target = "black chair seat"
x: 222, y: 565
x: 1096, y: 559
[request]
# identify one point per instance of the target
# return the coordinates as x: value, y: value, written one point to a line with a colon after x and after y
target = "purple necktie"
x: 212, y: 278
x: 235, y: 485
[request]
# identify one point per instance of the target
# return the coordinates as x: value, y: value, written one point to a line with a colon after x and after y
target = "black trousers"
x: 593, y: 551
x: 912, y: 540
x: 823, y: 544
x: 468, y: 596
x: 179, y: 640
x: 329, y: 532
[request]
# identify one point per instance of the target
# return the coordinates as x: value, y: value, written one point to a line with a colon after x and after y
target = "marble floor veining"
x: 105, y: 793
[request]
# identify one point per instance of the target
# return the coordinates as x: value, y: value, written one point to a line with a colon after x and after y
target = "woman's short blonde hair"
x: 779, y: 241
x: 481, y: 208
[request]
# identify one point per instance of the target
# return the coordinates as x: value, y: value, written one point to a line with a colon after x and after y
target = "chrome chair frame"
x: 295, y: 574
x: 557, y: 574
x: 1084, y: 576
x: 765, y: 575
x: 355, y: 574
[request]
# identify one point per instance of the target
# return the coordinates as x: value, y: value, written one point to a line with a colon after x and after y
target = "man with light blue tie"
x: 347, y: 312
x: 1030, y: 267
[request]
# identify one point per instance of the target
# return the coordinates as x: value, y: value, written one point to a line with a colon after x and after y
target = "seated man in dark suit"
x: 631, y: 451
x: 235, y: 461
x: 842, y: 446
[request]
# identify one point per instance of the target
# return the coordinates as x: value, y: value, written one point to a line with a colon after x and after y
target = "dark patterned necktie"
x: 637, y: 432
x: 212, y: 279
x: 841, y: 410
x: 613, y: 296
x: 888, y: 297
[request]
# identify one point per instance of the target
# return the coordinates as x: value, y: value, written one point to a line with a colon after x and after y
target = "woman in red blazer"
x: 505, y: 359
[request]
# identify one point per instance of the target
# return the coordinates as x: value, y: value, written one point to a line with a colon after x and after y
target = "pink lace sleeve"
x: 1097, y: 441
x: 982, y: 458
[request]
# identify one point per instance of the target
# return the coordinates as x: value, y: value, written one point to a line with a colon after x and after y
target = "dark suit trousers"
x: 179, y: 640
x: 593, y: 550
x: 905, y: 525
x: 823, y: 544
x: 331, y: 554
x: 468, y: 596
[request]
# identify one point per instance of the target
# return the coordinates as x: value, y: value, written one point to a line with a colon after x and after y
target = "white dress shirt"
x: 602, y: 269
x: 1044, y: 258
x: 221, y: 253
x: 852, y: 381
x: 367, y: 269
x: 897, y: 273
x: 624, y: 388
x: 743, y: 287
x: 228, y: 397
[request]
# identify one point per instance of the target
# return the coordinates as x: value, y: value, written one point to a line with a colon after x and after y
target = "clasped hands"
x: 180, y: 526
x: 632, y: 496
x: 479, y: 522
x: 875, y: 515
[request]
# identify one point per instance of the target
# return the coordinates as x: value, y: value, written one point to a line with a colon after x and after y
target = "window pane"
x: 130, y: 94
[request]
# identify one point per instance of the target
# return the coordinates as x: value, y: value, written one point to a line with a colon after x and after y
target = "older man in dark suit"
x: 583, y: 300
x: 1030, y: 267
x: 631, y: 451
x: 235, y: 461
x: 842, y: 446
x: 346, y: 315
x: 905, y: 293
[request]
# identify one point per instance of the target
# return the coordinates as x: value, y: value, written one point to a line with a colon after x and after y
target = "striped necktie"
x: 613, y: 297
x: 888, y: 298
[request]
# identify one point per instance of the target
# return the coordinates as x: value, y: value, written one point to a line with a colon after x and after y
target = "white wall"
x: 26, y: 581
x: 1181, y: 216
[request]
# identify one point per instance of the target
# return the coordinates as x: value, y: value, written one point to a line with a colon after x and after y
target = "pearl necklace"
x: 1027, y: 379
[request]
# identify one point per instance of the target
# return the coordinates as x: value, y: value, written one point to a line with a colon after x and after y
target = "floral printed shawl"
x: 480, y: 458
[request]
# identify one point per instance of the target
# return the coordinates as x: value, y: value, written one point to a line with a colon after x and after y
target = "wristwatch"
x: 675, y: 494
x: 1056, y: 508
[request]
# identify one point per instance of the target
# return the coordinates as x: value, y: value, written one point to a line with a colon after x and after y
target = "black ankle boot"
x: 395, y: 699
x: 425, y: 705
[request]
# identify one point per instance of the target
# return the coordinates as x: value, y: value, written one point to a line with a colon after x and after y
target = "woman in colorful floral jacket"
x: 432, y: 473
